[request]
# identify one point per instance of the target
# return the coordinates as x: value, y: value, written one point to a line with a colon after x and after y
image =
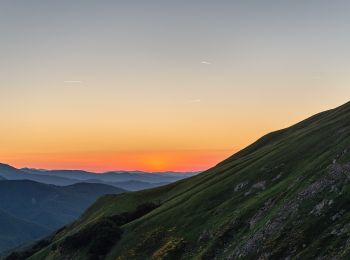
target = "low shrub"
x: 99, y: 237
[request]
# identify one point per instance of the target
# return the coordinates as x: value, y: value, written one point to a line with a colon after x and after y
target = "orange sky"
x: 193, y: 146
x: 162, y: 85
x: 146, y: 161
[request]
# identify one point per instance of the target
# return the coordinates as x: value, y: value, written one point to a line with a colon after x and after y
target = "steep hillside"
x: 15, y: 231
x: 286, y: 195
x: 48, y: 205
x: 43, y: 208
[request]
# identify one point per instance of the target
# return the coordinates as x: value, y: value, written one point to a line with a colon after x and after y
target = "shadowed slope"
x: 15, y: 231
x: 30, y: 210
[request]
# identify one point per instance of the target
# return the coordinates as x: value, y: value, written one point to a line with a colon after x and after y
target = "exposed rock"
x: 240, y: 186
x: 318, y: 208
x: 260, y: 185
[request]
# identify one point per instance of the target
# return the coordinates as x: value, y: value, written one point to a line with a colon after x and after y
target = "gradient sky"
x: 162, y: 85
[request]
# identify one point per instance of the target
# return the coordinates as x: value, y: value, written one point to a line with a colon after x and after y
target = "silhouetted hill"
x: 115, y: 176
x: 11, y: 173
x: 125, y: 180
x: 138, y: 185
x: 47, y: 206
x: 15, y: 231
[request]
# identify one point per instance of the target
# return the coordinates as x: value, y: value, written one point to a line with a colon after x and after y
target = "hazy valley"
x: 35, y: 203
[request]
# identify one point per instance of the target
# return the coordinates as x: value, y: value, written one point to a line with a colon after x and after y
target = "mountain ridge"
x: 136, y: 180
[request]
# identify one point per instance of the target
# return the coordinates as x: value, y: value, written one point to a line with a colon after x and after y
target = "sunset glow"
x: 161, y: 86
x: 145, y: 161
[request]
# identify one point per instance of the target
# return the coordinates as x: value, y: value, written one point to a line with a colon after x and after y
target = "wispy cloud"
x: 73, y: 81
x: 206, y: 62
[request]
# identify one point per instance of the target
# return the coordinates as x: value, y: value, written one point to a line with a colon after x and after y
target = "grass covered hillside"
x: 286, y: 195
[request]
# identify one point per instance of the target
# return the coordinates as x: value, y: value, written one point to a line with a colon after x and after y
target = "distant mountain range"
x: 134, y: 180
x: 286, y: 196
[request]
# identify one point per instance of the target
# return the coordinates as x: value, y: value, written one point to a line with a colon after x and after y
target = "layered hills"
x: 128, y: 180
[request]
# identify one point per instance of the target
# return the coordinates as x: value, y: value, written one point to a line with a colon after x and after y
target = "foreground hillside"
x: 286, y: 195
x: 31, y: 210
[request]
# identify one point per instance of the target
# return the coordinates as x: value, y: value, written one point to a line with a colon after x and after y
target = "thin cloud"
x: 206, y: 62
x: 73, y: 81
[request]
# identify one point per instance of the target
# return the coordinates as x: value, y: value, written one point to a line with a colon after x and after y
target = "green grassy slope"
x: 288, y: 194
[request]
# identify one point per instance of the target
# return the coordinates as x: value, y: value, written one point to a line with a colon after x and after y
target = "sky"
x: 162, y: 85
